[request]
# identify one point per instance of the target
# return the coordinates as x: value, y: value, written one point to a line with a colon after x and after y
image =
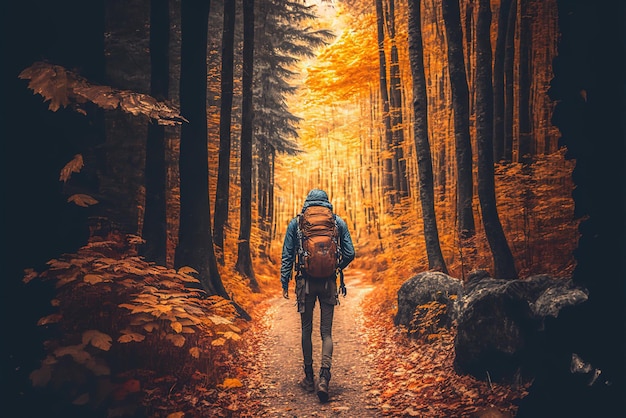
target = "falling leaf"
x: 50, y: 319
x: 29, y: 274
x: 97, y: 339
x: 82, y: 200
x: 73, y: 166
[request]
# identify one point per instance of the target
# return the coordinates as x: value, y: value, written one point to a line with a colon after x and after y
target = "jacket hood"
x: 317, y: 197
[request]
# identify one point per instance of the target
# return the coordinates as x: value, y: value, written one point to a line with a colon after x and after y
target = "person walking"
x: 318, y: 243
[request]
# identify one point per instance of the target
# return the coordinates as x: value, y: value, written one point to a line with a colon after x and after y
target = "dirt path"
x: 273, y: 386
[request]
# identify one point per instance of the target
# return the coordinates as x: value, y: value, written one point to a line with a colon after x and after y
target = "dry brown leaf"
x: 82, y: 200
x: 133, y: 336
x: 50, y: 319
x: 73, y: 166
x: 97, y: 339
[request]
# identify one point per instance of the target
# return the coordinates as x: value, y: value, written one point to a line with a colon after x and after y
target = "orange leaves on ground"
x: 231, y: 383
x: 65, y: 88
x: 417, y: 378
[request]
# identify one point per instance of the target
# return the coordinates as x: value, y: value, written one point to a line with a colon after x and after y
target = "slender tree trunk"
x: 498, y: 82
x: 384, y: 96
x: 526, y: 143
x: 509, y: 60
x: 504, y: 265
x: 226, y: 107
x: 195, y: 241
x: 460, y: 106
x: 155, y: 217
x: 422, y: 144
x: 395, y: 108
x: 244, y: 257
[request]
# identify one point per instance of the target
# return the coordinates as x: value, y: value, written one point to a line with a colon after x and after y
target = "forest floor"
x: 274, y: 361
x: 377, y: 371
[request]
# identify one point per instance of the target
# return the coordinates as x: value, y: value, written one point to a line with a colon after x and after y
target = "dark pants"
x: 325, y: 291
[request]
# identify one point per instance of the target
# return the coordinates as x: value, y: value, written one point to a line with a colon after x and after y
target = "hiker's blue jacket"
x: 315, y: 197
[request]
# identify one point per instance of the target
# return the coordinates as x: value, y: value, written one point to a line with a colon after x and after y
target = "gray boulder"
x: 426, y: 287
x: 500, y: 321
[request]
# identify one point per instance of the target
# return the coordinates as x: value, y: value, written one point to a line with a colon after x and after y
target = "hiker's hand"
x: 286, y: 293
x: 343, y: 291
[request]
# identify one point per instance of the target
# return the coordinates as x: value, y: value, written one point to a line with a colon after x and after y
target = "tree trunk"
x: 395, y: 109
x: 422, y: 144
x: 244, y: 258
x: 509, y: 82
x: 498, y: 82
x: 460, y: 106
x: 195, y: 241
x: 504, y: 265
x: 526, y: 142
x: 155, y: 216
x: 384, y: 97
x: 226, y: 107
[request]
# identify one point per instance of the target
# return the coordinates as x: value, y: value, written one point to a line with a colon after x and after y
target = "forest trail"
x: 275, y: 374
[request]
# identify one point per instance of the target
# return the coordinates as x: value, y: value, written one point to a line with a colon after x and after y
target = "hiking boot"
x: 322, y: 384
x: 307, y: 383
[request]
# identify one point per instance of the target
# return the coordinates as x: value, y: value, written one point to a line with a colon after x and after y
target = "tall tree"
x: 498, y: 81
x: 509, y: 83
x: 195, y: 241
x: 422, y: 144
x: 395, y: 107
x: 244, y: 257
x: 460, y: 106
x: 226, y: 107
x: 526, y: 141
x: 384, y: 97
x: 155, y: 217
x: 504, y: 265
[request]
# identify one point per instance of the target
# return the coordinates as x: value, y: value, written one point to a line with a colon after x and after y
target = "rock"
x: 427, y: 287
x: 500, y: 321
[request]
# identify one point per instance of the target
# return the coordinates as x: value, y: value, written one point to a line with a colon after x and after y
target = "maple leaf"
x: 82, y: 200
x: 97, y: 339
x: 73, y: 166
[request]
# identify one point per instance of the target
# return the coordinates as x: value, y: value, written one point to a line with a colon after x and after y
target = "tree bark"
x: 526, y: 142
x: 226, y: 106
x: 422, y: 144
x: 504, y: 265
x: 195, y: 241
x: 395, y: 109
x: 384, y: 97
x: 155, y: 216
x: 244, y: 258
x: 509, y: 82
x: 460, y: 106
x: 498, y: 82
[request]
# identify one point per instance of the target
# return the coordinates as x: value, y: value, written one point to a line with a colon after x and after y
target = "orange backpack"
x: 319, y: 242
